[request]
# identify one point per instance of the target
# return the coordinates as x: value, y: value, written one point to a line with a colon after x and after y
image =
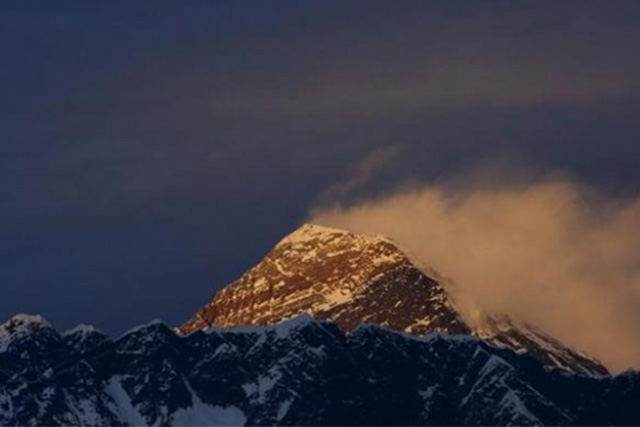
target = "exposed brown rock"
x: 352, y: 279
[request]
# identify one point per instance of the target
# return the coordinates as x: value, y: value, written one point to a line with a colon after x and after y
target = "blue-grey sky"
x: 150, y: 152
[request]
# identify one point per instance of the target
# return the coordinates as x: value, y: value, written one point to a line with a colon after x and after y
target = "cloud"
x: 361, y: 174
x: 148, y: 137
x: 552, y: 252
x: 382, y: 60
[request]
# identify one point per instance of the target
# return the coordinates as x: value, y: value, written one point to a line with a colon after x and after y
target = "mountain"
x: 298, y: 372
x: 331, y: 328
x: 351, y: 279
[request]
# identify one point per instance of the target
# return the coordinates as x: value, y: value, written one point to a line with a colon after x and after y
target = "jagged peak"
x: 82, y: 329
x: 319, y: 267
x: 365, y: 329
x: 24, y: 321
x: 315, y: 232
x: 352, y: 278
x: 19, y: 326
x: 503, y: 330
x: 319, y: 228
x: 282, y: 329
x: 295, y: 322
x: 310, y: 232
x: 155, y: 324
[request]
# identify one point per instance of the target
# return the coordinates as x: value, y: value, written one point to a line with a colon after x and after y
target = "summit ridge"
x: 351, y: 279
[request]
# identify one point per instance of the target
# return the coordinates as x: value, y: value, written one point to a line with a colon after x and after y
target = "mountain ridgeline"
x: 298, y: 372
x: 351, y: 279
x: 331, y: 328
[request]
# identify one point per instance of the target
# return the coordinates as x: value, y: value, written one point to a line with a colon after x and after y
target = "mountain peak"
x: 503, y: 331
x: 21, y: 323
x: 20, y: 326
x: 313, y: 233
x: 308, y: 229
x: 27, y: 319
x: 82, y: 329
x: 350, y: 279
x: 334, y: 275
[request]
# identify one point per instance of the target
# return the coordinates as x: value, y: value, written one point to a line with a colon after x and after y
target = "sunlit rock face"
x: 351, y: 279
x: 335, y: 275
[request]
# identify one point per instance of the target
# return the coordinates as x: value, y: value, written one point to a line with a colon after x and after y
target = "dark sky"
x: 150, y: 152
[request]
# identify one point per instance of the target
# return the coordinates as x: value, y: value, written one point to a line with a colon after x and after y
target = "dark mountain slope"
x: 300, y: 372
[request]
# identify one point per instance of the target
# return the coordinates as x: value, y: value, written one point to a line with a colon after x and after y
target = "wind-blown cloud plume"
x: 361, y: 174
x: 552, y: 253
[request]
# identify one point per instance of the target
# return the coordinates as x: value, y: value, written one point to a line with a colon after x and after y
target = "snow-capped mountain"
x: 298, y: 372
x: 331, y: 328
x: 352, y: 279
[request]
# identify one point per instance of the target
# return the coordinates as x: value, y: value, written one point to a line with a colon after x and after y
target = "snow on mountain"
x: 335, y: 275
x: 351, y: 279
x: 503, y: 331
x: 85, y: 338
x: 81, y: 329
x: 331, y: 328
x: 299, y: 372
x: 20, y: 326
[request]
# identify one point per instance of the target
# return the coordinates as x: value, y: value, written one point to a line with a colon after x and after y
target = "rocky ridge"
x: 351, y: 279
x: 298, y: 372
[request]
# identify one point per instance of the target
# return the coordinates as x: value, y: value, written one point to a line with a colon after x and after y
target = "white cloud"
x: 551, y: 253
